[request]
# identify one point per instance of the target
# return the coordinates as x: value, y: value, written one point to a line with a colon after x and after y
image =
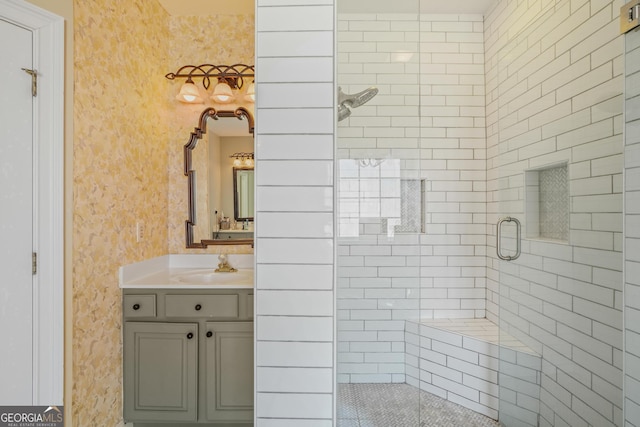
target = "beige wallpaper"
x: 120, y: 177
x: 195, y: 40
x: 129, y: 135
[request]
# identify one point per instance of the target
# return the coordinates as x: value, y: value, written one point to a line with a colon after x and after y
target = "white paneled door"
x: 16, y: 216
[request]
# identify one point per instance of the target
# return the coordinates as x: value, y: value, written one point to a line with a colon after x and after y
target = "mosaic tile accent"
x: 554, y: 203
x: 411, y: 218
x: 401, y: 405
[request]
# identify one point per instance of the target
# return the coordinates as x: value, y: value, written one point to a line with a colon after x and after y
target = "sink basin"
x: 209, y: 277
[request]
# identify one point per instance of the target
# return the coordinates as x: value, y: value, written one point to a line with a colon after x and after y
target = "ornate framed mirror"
x: 207, y: 168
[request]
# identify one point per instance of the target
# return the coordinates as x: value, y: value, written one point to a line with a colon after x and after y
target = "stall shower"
x: 479, y: 214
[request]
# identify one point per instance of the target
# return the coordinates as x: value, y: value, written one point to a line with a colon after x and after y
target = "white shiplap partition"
x: 294, y: 210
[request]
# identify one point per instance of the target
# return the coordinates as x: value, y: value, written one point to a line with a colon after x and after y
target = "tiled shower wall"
x: 578, y: 283
x: 426, y: 123
x: 632, y: 230
x: 554, y: 95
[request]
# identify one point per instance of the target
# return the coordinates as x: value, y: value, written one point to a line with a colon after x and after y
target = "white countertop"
x: 187, y: 272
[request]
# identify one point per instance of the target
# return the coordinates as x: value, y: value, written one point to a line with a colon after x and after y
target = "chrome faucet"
x: 223, y: 265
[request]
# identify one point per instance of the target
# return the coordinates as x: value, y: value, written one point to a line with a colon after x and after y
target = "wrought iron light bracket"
x: 233, y: 75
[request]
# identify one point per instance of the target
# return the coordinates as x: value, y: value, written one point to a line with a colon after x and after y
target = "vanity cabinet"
x: 161, y: 371
x: 229, y: 348
x: 234, y: 234
x: 188, y: 357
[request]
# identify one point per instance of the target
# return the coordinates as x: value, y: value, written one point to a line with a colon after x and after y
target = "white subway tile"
x: 606, y: 315
x: 599, y: 258
x: 451, y: 27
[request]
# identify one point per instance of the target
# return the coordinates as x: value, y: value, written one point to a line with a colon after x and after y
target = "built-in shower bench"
x: 462, y: 360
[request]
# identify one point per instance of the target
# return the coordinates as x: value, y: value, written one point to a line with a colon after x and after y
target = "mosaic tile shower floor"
x: 396, y: 405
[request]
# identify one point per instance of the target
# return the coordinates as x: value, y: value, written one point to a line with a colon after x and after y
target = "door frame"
x: 48, y: 238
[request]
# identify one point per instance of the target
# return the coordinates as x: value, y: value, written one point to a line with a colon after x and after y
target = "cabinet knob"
x: 136, y: 306
x: 209, y: 334
x: 189, y: 335
x: 198, y: 307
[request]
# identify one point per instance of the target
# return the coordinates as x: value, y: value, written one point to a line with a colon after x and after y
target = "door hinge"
x: 34, y: 263
x: 34, y: 80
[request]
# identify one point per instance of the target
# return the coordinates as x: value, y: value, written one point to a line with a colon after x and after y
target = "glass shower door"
x: 379, y: 195
x: 557, y: 258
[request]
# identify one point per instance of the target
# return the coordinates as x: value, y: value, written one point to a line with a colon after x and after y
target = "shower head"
x: 357, y: 99
x: 343, y: 112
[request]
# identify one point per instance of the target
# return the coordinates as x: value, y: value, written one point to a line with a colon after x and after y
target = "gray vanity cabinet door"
x: 160, y: 371
x: 229, y: 371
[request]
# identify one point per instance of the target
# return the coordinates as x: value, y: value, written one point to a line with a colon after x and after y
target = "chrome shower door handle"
x: 498, y: 239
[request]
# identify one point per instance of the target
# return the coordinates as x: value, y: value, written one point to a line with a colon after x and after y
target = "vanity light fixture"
x: 189, y: 93
x: 242, y: 160
x: 222, y: 93
x: 250, y: 96
x: 230, y: 78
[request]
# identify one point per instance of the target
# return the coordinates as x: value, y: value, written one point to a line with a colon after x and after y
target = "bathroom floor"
x: 396, y: 405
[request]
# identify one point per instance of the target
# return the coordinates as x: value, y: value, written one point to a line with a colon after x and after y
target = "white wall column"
x: 294, y: 213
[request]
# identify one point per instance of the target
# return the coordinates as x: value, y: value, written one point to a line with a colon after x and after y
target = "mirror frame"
x: 236, y: 202
x: 240, y: 113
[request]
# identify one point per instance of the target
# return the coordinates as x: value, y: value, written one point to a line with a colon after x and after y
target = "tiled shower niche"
x: 547, y: 203
x: 374, y: 199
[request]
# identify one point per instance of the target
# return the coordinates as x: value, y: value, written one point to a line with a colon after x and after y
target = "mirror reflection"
x: 243, y: 193
x: 219, y: 167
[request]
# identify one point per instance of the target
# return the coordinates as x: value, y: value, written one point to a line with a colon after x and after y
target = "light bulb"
x: 251, y: 93
x: 189, y: 94
x: 222, y: 93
